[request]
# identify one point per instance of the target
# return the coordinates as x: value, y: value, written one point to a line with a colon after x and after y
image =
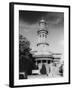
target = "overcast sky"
x: 29, y: 24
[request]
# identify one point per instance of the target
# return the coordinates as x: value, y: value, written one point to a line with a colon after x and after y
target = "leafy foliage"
x: 26, y: 61
x: 61, y: 70
x: 43, y: 70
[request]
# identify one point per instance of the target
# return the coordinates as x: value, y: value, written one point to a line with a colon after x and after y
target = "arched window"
x: 43, y: 35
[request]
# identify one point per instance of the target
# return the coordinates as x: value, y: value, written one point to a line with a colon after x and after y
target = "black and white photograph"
x: 41, y: 45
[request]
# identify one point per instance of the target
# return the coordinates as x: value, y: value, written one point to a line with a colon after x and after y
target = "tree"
x: 61, y: 70
x: 26, y: 63
x: 43, y: 70
x: 24, y: 45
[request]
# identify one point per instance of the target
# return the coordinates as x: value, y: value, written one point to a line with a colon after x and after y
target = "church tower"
x: 42, y: 34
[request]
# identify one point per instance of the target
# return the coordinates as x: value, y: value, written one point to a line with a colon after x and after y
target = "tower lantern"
x: 42, y: 24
